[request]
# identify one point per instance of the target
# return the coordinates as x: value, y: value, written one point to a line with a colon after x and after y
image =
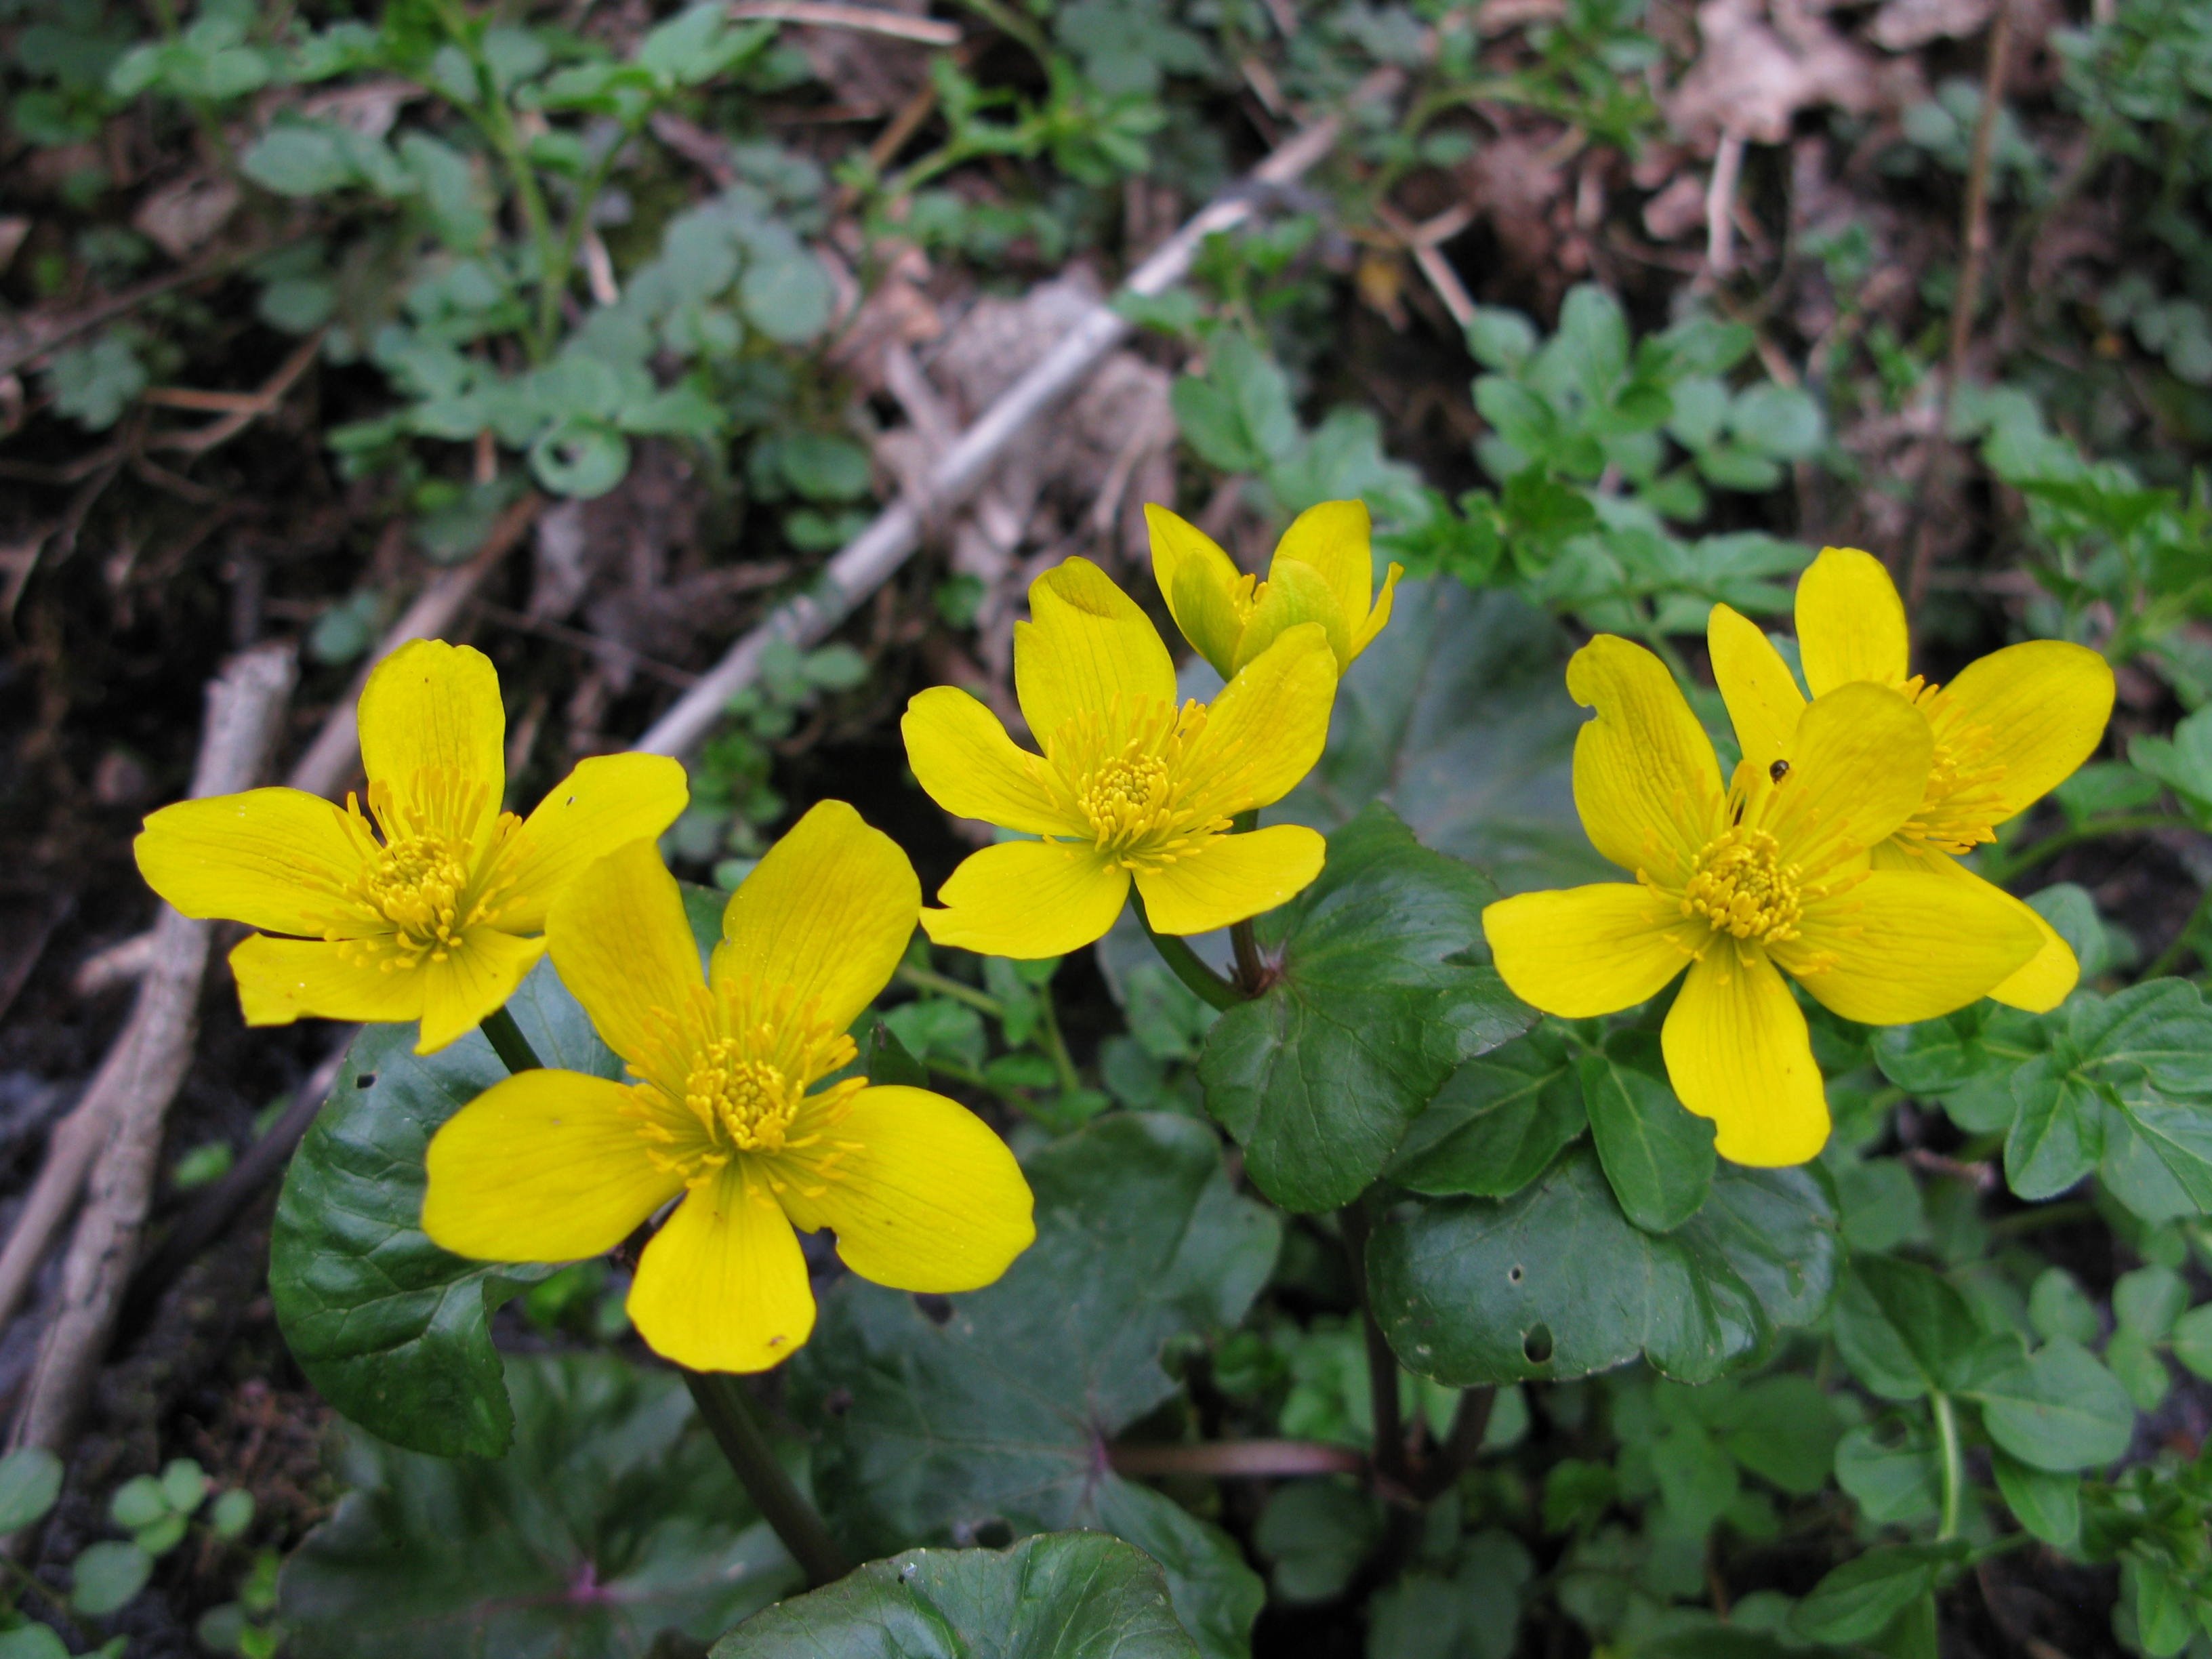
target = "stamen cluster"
x: 1740, y: 885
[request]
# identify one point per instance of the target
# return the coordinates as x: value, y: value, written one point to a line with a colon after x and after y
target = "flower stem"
x: 1954, y: 1471
x: 923, y: 979
x: 2001, y: 867
x: 1211, y: 988
x: 2181, y: 945
x: 1381, y: 1363
x: 723, y: 1407
x: 1251, y: 967
x: 508, y: 1043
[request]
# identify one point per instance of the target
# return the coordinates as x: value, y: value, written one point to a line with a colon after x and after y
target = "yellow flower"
x: 555, y: 1166
x: 1769, y: 873
x: 2007, y: 731
x: 427, y: 907
x: 1322, y: 572
x: 1133, y: 782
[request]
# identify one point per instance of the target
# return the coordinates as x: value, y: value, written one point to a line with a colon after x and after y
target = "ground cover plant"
x: 777, y: 882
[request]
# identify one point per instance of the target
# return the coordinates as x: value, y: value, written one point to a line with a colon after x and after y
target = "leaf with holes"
x: 1384, y: 987
x: 1058, y: 1594
x: 612, y: 1519
x: 937, y: 1420
x: 1555, y: 1282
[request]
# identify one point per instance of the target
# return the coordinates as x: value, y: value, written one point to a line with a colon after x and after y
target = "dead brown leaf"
x: 1757, y: 69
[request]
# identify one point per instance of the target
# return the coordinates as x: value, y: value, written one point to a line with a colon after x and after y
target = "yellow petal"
x: 282, y: 980
x: 1738, y: 1052
x: 2048, y: 979
x: 1850, y: 623
x: 1582, y: 951
x: 1087, y: 648
x: 2051, y: 973
x: 1027, y: 899
x: 1858, y: 767
x: 1231, y: 877
x: 1763, y: 700
x: 545, y: 1166
x: 1336, y: 539
x: 276, y: 859
x: 430, y: 707
x: 1379, y: 618
x: 1266, y: 729
x: 2043, y: 704
x: 1196, y: 579
x: 1907, y: 944
x: 924, y: 1197
x: 1646, y: 783
x: 963, y: 757
x: 624, y: 949
x: 828, y: 912
x: 605, y: 802
x: 722, y: 1286
x: 1296, y: 594
x: 476, y: 977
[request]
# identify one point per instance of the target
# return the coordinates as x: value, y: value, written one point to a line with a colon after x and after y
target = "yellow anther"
x: 1740, y: 884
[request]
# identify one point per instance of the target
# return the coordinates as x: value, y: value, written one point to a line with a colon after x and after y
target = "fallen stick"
x: 212, y: 1213
x: 115, y: 1130
x: 867, y: 561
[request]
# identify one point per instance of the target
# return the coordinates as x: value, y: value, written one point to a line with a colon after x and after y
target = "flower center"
x: 1739, y: 883
x: 746, y: 1056
x: 751, y: 1100
x: 1959, y: 809
x: 1124, y: 776
x: 417, y: 884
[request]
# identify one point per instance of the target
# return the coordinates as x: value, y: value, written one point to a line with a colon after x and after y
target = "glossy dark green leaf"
x: 1784, y: 1430
x: 1057, y: 1595
x: 1659, y: 1158
x: 1496, y: 1124
x: 390, y: 1328
x: 1904, y: 1330
x: 1384, y: 988
x: 1555, y: 1282
x: 1966, y: 1059
x: 1457, y: 717
x: 2056, y: 1409
x: 1858, y: 1601
x: 935, y: 1419
x: 1890, y: 1472
x: 612, y: 1518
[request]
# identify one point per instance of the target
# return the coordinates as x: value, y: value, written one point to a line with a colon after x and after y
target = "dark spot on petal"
x: 1779, y: 771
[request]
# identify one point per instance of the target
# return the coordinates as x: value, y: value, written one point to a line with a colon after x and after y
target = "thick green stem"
x: 1210, y: 986
x: 1381, y: 1363
x: 1954, y: 1461
x: 2180, y: 946
x: 727, y: 1412
x: 944, y: 985
x: 2002, y: 866
x: 1055, y: 1043
x: 1251, y: 967
x: 508, y: 1043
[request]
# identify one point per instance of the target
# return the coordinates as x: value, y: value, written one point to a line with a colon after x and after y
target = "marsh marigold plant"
x: 1741, y: 883
x: 1322, y: 572
x: 1135, y: 784
x: 2009, y: 729
x: 431, y: 904
x: 726, y: 1109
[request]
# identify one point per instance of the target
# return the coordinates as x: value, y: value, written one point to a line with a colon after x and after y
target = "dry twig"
x: 115, y: 1130
x: 866, y: 563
